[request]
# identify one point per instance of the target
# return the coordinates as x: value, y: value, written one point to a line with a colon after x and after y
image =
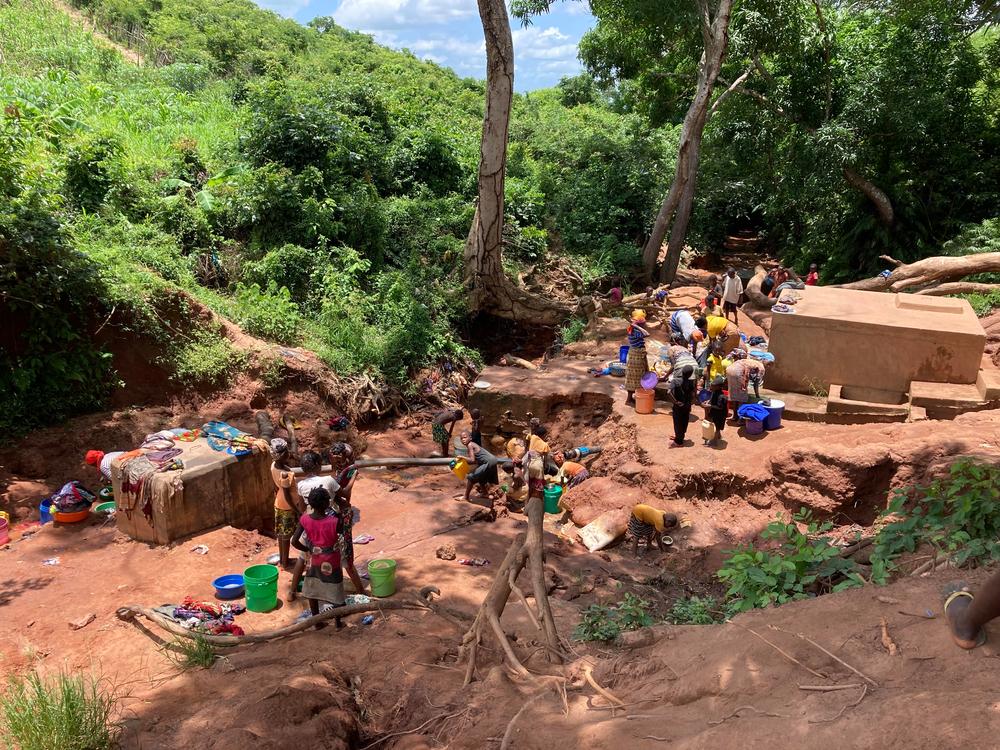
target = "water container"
x: 644, y: 401
x: 753, y: 427
x: 261, y: 582
x: 45, y: 511
x: 623, y: 354
x: 551, y: 498
x: 382, y: 574
x: 774, y: 412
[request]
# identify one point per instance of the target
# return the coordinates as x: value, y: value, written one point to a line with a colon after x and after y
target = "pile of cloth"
x: 72, y: 497
x: 156, y: 454
x: 212, y: 618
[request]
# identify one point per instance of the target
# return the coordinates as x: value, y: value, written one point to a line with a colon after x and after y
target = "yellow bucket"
x: 460, y: 467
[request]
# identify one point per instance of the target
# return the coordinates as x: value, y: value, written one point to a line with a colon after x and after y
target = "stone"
x: 631, y: 469
x: 82, y: 622
x: 446, y: 552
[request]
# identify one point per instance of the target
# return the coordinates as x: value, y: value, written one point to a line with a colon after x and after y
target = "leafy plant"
x: 958, y: 515
x: 269, y: 313
x: 605, y: 623
x: 697, y: 610
x: 205, y: 358
x: 802, y: 564
x: 93, y: 168
x: 190, y: 653
x: 573, y: 330
x: 64, y: 712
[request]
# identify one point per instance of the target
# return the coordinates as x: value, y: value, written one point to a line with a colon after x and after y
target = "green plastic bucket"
x: 551, y: 496
x: 261, y: 587
x: 382, y: 574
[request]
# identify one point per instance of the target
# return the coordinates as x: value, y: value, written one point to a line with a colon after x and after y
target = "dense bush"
x: 93, y: 168
x: 269, y: 313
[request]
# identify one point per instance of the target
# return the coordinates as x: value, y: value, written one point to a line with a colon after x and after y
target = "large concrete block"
x: 213, y: 489
x: 873, y: 340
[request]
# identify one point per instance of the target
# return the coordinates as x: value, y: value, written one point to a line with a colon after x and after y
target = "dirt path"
x: 130, y: 55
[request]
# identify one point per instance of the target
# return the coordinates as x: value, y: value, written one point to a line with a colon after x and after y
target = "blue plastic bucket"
x: 623, y: 354
x: 44, y: 511
x: 774, y: 412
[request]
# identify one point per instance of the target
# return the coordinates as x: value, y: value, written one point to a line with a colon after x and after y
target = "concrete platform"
x: 989, y: 384
x: 213, y: 489
x: 867, y: 401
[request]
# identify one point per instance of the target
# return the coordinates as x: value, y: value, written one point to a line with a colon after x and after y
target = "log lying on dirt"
x: 959, y: 287
x: 927, y: 273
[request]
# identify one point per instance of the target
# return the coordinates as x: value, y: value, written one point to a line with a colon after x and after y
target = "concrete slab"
x: 954, y: 395
x: 857, y: 400
x: 989, y: 384
x: 873, y: 340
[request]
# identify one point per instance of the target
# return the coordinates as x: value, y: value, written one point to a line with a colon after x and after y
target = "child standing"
x: 443, y: 426
x: 812, y: 278
x: 286, y: 503
x: 476, y: 432
x: 324, y: 579
x: 717, y: 408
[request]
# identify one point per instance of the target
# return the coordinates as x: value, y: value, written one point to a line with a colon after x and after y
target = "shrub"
x: 573, y: 330
x: 268, y: 313
x: 604, y: 623
x: 425, y: 158
x: 187, y: 77
x: 698, y: 610
x: 958, y: 515
x: 205, y: 358
x: 800, y: 566
x: 290, y: 265
x: 93, y: 168
x: 66, y: 712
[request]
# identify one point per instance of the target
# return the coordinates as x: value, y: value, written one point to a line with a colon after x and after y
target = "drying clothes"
x: 205, y: 617
x: 225, y: 437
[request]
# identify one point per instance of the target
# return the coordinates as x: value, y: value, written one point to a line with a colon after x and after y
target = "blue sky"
x: 449, y: 33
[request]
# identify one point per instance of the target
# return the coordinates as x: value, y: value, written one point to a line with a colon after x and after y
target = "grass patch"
x: 699, y: 610
x: 65, y: 712
x: 604, y: 623
x: 190, y: 653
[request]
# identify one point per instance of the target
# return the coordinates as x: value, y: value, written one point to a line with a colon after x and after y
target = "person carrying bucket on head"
x: 637, y: 363
x: 324, y: 579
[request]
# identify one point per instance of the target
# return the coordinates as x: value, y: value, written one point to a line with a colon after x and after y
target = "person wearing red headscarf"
x: 102, y: 461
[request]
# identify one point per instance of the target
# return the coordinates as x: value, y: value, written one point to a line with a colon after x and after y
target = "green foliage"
x: 800, y: 565
x: 63, y: 712
x: 203, y: 359
x: 573, y: 330
x: 698, y: 610
x: 269, y: 313
x: 958, y: 515
x: 93, y: 169
x: 190, y: 653
x: 605, y: 623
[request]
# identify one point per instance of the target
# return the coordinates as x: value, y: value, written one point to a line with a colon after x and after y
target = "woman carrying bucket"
x: 637, y: 364
x: 741, y: 375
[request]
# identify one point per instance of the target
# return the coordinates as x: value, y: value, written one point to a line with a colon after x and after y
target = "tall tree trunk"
x: 488, y: 286
x: 675, y: 212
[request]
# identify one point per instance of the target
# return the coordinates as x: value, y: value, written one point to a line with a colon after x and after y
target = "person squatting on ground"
x: 636, y: 365
x: 324, y: 579
x: 287, y: 504
x: 968, y: 613
x: 571, y: 471
x: 647, y: 524
x: 682, y: 395
x: 443, y: 427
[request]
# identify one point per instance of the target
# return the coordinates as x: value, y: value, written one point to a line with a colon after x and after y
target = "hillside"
x: 309, y: 184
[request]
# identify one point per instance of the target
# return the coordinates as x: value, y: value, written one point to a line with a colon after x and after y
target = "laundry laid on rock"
x: 225, y: 437
x: 756, y: 340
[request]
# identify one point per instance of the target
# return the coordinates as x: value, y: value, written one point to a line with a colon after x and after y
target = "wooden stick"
x: 925, y: 566
x: 745, y: 708
x: 832, y: 655
x: 607, y: 695
x: 509, y: 732
x: 830, y: 688
x: 864, y: 692
x: 887, y: 641
x: 508, y: 650
x: 784, y: 653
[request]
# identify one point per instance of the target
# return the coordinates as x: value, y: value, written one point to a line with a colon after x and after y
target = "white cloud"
x: 534, y: 43
x: 382, y: 14
x: 577, y: 8
x: 286, y: 8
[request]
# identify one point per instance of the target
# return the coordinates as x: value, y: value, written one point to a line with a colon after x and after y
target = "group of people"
x: 530, y: 462
x: 313, y: 514
x: 707, y: 349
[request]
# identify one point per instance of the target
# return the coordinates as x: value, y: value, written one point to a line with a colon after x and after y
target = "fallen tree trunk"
x: 959, y: 287
x: 923, y: 273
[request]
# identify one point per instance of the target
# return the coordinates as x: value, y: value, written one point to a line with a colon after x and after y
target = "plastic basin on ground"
x: 74, y: 517
x: 551, y: 497
x: 105, y: 509
x: 229, y: 587
x: 774, y: 412
x: 261, y: 583
x: 382, y: 574
x: 106, y: 494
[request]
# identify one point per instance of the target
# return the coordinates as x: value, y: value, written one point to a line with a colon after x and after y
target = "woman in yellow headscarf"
x: 637, y: 364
